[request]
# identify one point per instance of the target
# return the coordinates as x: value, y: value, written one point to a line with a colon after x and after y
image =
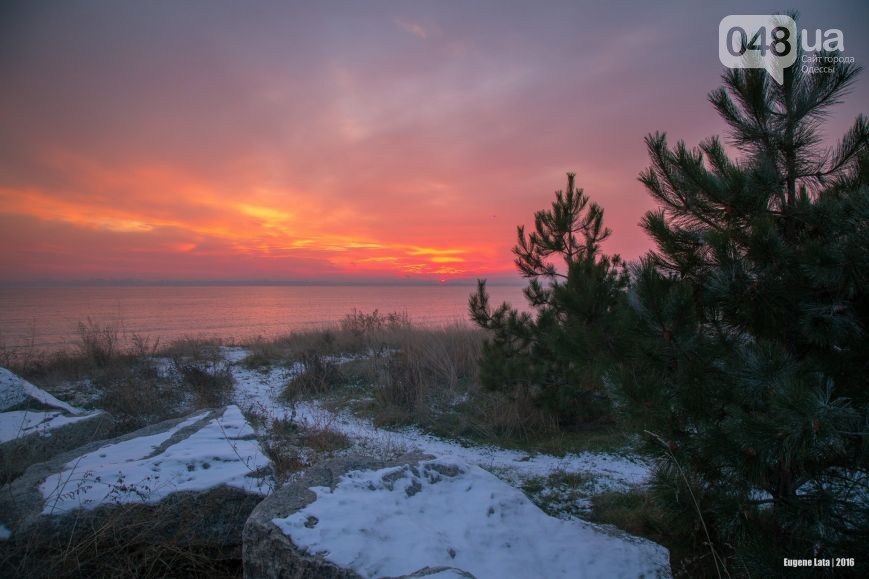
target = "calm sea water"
x: 46, y: 318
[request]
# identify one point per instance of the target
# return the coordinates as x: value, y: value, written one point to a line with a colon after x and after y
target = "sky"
x: 398, y: 141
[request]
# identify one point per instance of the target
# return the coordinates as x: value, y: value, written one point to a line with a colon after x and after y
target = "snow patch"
x: 446, y: 513
x: 143, y: 469
x: 613, y: 472
x: 21, y: 423
x: 234, y: 354
x: 14, y: 390
x: 260, y: 391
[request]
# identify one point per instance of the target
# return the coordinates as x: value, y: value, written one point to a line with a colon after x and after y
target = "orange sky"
x: 334, y: 141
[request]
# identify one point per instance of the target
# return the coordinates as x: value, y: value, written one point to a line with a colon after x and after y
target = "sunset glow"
x: 382, y: 141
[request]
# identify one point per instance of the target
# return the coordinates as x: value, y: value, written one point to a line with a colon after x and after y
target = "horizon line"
x: 465, y: 282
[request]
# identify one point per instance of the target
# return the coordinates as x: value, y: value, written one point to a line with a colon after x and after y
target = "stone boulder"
x: 424, y: 517
x: 185, y: 481
x: 34, y: 425
x: 269, y: 552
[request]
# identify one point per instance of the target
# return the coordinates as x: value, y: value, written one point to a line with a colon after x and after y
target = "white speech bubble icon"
x: 767, y: 41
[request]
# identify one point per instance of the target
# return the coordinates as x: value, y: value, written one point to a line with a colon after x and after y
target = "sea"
x: 47, y: 318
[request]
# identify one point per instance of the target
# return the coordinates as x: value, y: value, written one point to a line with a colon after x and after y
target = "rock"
x: 268, y: 551
x: 212, y: 451
x: 34, y: 425
x: 423, y: 517
x: 16, y: 392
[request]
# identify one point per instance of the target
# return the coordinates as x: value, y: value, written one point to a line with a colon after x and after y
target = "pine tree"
x: 748, y: 358
x: 556, y: 354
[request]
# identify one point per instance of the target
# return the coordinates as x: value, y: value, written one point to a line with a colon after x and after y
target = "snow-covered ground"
x: 379, y: 523
x: 445, y: 513
x: 219, y: 451
x: 260, y: 390
x: 397, y: 521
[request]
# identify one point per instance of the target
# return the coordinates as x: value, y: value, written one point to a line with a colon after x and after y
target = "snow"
x: 373, y: 525
x: 234, y: 354
x: 614, y: 472
x: 222, y: 451
x: 259, y: 391
x: 21, y: 423
x: 14, y: 390
x: 447, y: 513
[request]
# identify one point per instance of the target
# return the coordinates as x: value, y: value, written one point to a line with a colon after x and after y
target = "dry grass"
x: 633, y: 512
x: 137, y: 396
x: 121, y: 370
x: 324, y: 439
x: 513, y: 417
x: 287, y: 349
x: 99, y: 372
x: 381, y: 365
x: 193, y: 348
x: 403, y: 374
x: 210, y: 381
x: 292, y: 447
x: 638, y: 514
x: 202, y: 371
x: 99, y: 343
x: 400, y: 374
x: 184, y: 536
x: 318, y: 376
x: 361, y: 323
x: 425, y: 370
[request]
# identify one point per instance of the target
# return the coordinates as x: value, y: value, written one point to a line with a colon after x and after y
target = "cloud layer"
x: 335, y: 140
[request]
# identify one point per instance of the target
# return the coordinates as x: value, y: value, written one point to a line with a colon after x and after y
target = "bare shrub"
x: 194, y: 348
x: 142, y: 346
x: 361, y: 323
x: 285, y: 458
x: 263, y: 353
x: 318, y: 434
x: 287, y: 349
x: 278, y: 438
x: 99, y: 344
x: 202, y: 370
x: 210, y: 381
x: 318, y: 376
x: 137, y: 396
